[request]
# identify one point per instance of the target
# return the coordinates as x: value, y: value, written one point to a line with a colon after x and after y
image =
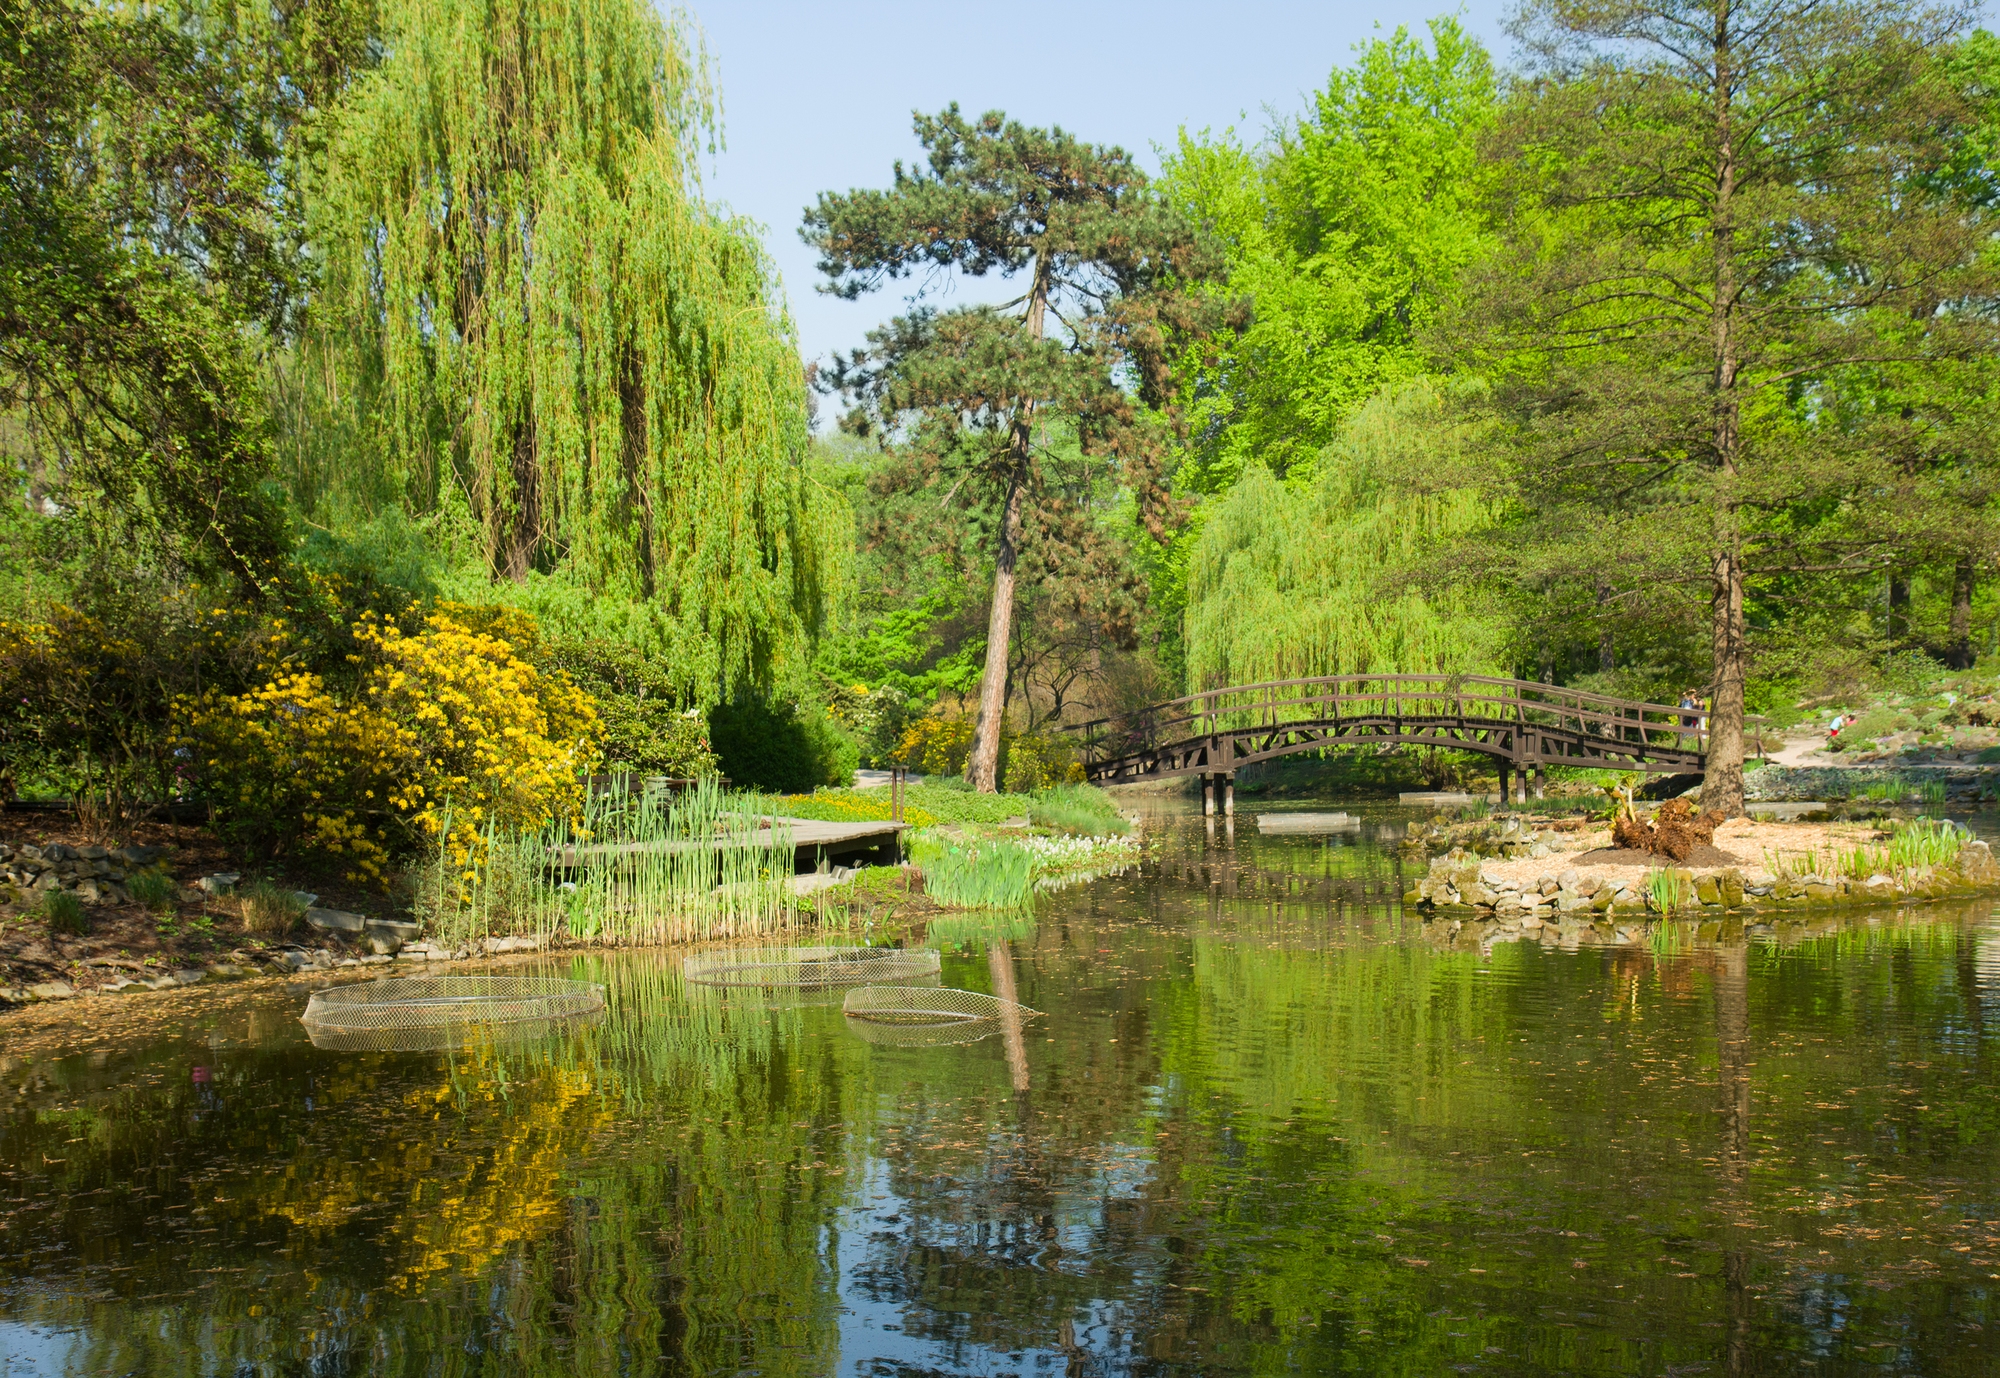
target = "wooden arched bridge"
x: 1522, y: 725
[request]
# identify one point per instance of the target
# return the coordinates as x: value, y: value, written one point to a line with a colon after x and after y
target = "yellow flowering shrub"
x: 442, y: 730
x: 938, y: 745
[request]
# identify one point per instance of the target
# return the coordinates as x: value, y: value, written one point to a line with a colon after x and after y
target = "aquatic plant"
x: 1079, y: 809
x: 1668, y: 890
x: 635, y: 869
x: 1925, y: 842
x: 974, y: 873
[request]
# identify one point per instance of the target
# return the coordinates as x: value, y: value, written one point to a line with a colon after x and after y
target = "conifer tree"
x: 1716, y: 210
x: 1107, y: 267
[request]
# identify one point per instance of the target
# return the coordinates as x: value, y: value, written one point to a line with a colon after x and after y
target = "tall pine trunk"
x: 1722, y: 788
x: 982, y: 767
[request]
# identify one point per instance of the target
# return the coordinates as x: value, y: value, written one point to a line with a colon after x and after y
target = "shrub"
x: 639, y: 707
x: 936, y: 745
x: 269, y: 908
x: 762, y: 745
x: 64, y: 913
x: 1039, y: 761
x: 154, y: 889
x: 443, y: 730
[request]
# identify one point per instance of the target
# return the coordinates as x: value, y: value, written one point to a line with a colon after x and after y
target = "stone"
x: 387, y: 944
x: 335, y: 920
x: 1821, y: 891
x: 1730, y: 884
x: 1707, y: 891
x: 520, y: 944
x: 191, y: 976
x: 125, y: 985
x: 1569, y: 880
x: 48, y: 880
x: 1539, y: 849
x: 92, y: 853
x: 1568, y: 901
x: 221, y: 883
x: 295, y: 959
x: 400, y: 929
x: 139, y: 856
x: 1530, y: 921
x: 160, y: 983
x: 51, y: 990
x: 56, y: 851
x: 1602, y: 901
x: 1478, y: 896
x: 225, y: 971
x: 305, y: 899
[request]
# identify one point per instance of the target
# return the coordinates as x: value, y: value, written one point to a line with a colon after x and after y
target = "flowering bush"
x: 937, y: 745
x: 443, y: 731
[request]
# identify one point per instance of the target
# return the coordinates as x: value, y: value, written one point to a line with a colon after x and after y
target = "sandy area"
x: 1745, y: 838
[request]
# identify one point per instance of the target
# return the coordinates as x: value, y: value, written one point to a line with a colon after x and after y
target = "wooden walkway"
x: 1522, y: 725
x: 813, y: 840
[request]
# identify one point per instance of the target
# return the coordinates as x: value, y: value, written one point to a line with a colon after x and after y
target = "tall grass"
x: 1926, y: 842
x: 1669, y: 891
x: 974, y: 873
x: 1081, y: 810
x: 634, y: 869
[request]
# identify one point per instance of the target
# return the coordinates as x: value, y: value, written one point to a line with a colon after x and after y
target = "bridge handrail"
x: 1523, y: 702
x: 1564, y: 697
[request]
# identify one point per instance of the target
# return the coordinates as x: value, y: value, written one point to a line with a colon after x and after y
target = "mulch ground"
x: 127, y: 940
x: 1702, y: 855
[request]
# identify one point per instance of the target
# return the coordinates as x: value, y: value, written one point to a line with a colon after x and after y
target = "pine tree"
x: 1108, y: 265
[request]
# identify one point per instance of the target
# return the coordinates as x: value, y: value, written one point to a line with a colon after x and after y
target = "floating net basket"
x: 419, y: 1014
x: 928, y: 1006
x: 922, y: 1035
x: 809, y: 966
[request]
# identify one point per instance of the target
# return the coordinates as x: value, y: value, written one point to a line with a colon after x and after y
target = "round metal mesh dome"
x: 928, y: 1006
x: 414, y: 1014
x: 809, y: 966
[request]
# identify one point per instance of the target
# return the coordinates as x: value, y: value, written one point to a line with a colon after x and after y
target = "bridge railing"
x: 1471, y: 699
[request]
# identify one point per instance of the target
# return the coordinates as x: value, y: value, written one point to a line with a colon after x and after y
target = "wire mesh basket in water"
x: 953, y: 1034
x: 928, y: 1006
x: 809, y: 966
x: 415, y: 1014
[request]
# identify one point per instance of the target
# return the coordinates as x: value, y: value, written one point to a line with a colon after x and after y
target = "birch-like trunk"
x: 1722, y: 788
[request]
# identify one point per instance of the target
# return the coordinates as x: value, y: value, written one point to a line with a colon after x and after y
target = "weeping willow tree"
x: 534, y: 337
x: 1325, y: 574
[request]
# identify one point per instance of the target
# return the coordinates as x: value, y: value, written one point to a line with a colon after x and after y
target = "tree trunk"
x: 1722, y: 787
x: 982, y: 767
x: 1958, y: 654
x: 1605, y: 660
x: 520, y: 533
x: 1899, y: 609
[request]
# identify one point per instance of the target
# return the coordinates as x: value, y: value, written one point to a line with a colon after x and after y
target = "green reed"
x: 973, y: 873
x: 1668, y: 890
x: 652, y: 868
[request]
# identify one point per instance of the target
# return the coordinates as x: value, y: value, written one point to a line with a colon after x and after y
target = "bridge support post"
x: 1229, y: 795
x: 1207, y: 795
x: 1541, y: 780
x: 1504, y: 798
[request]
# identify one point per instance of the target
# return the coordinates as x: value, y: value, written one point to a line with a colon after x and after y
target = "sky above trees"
x: 817, y: 98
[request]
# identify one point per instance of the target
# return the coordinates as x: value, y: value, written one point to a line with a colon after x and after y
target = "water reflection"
x: 1266, y: 1122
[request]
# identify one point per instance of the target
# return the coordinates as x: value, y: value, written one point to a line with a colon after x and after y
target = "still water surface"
x: 1268, y: 1123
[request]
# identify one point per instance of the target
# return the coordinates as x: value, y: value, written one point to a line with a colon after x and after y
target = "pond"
x: 1267, y: 1122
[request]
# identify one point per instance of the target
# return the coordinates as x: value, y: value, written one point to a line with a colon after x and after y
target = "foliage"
x: 850, y: 806
x: 973, y: 873
x: 1038, y: 761
x: 974, y: 390
x: 1348, y: 230
x: 779, y: 746
x: 441, y: 731
x: 1081, y: 810
x: 1270, y: 597
x: 936, y: 744
x: 669, y: 868
x: 151, y: 887
x: 645, y: 728
x: 1699, y: 243
x: 1668, y: 890
x: 270, y: 908
x: 533, y: 335
x: 64, y: 914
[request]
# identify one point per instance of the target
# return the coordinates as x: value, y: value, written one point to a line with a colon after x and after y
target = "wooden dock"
x: 813, y: 840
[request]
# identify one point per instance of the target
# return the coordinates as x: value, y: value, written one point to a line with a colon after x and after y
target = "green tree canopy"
x: 1715, y: 212
x: 977, y: 387
x: 531, y: 331
x: 1347, y: 233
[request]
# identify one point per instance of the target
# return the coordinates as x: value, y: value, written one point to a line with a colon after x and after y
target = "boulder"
x: 336, y: 920
x: 139, y: 856
x: 1730, y: 884
x: 51, y: 990
x: 221, y: 883
x: 191, y: 976
x: 1707, y: 890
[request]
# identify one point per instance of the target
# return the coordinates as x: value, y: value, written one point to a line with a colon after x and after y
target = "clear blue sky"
x: 818, y: 97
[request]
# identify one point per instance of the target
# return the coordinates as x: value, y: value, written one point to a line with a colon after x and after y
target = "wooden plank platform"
x: 812, y: 838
